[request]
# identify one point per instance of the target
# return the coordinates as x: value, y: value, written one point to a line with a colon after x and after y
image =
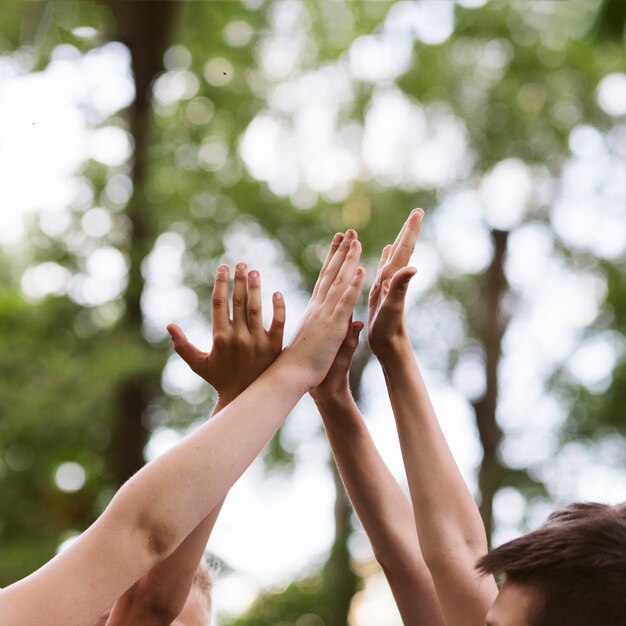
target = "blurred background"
x: 144, y: 143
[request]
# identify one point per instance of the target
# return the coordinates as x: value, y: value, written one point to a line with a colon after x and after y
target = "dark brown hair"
x: 576, y: 563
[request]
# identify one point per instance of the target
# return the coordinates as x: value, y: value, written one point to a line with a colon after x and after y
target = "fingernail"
x: 278, y: 295
x: 222, y: 268
x: 350, y: 234
x: 241, y: 266
x: 338, y: 237
x: 253, y: 274
x: 419, y: 212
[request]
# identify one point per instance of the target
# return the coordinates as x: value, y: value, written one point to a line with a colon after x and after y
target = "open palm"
x: 386, y: 299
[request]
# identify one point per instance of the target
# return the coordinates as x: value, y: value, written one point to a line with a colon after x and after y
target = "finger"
x: 345, y: 273
x: 277, y: 327
x: 254, y: 305
x: 375, y: 290
x: 348, y: 300
x: 335, y: 264
x: 385, y: 287
x: 397, y: 287
x: 405, y: 244
x: 219, y: 300
x: 403, y: 229
x: 187, y: 351
x: 351, y: 341
x: 240, y: 297
x: 374, y: 294
x: 337, y: 239
x: 349, y: 345
x: 384, y: 256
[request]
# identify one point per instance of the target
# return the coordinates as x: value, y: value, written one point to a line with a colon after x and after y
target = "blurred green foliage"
x: 63, y: 364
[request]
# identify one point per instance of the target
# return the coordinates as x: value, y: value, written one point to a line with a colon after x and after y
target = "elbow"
x: 398, y: 564
x: 153, y: 605
x: 159, y: 538
x: 452, y: 554
x: 391, y: 566
x: 159, y: 607
x: 147, y: 534
x: 149, y: 538
x: 143, y: 538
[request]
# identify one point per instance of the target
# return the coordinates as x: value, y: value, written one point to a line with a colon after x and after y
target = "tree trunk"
x: 145, y: 28
x: 491, y: 326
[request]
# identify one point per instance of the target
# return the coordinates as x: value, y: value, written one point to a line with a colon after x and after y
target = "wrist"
x: 294, y: 372
x: 393, y: 349
x: 332, y: 398
x: 340, y: 414
x: 222, y: 402
x: 291, y: 372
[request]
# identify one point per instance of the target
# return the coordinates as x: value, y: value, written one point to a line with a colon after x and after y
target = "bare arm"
x: 448, y: 523
x: 385, y: 513
x: 382, y: 506
x: 242, y: 350
x: 158, y: 508
x: 157, y: 598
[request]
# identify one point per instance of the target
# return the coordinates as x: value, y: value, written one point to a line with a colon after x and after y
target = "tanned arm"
x: 382, y: 506
x: 380, y: 503
x: 448, y: 523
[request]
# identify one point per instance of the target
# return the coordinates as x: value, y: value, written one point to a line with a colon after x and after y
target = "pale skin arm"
x: 156, y: 510
x: 448, y: 523
x: 242, y: 350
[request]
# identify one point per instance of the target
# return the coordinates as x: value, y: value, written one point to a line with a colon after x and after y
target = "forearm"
x: 448, y: 522
x: 159, y: 596
x: 382, y: 507
x: 166, y: 507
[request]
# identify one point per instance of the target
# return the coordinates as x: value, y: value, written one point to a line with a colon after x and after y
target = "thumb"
x: 398, y: 286
x: 355, y: 329
x: 351, y: 340
x: 186, y: 350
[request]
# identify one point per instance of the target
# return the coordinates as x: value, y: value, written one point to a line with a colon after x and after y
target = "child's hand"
x: 386, y: 300
x: 242, y: 348
x: 325, y: 322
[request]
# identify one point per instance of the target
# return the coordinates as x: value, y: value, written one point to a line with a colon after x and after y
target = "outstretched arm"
x: 448, y: 523
x: 382, y: 506
x: 242, y: 350
x: 157, y: 509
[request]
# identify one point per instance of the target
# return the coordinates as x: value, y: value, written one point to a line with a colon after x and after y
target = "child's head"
x: 569, y: 572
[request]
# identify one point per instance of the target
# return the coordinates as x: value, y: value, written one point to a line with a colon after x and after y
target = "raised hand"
x: 327, y: 317
x: 337, y: 379
x: 449, y: 526
x: 155, y: 511
x: 386, y: 299
x: 242, y: 348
